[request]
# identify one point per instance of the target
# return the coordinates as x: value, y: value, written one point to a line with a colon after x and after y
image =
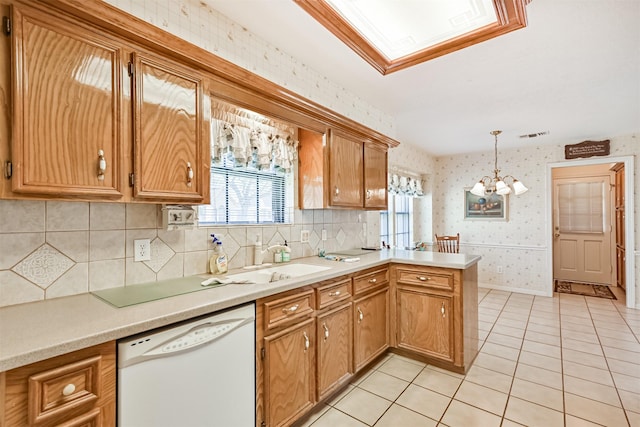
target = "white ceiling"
x: 574, y: 71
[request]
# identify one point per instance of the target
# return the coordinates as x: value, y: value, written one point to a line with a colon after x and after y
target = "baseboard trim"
x: 535, y: 292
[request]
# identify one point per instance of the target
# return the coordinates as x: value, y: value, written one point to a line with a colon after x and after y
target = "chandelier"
x: 497, y: 184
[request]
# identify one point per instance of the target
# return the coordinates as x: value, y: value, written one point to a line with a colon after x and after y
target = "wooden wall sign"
x: 587, y: 149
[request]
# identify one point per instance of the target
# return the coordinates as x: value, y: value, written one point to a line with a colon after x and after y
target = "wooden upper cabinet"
x: 375, y: 176
x: 345, y: 171
x: 171, y: 132
x: 339, y: 170
x: 66, y: 108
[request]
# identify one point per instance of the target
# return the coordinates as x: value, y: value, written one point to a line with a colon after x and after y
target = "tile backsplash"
x: 50, y: 249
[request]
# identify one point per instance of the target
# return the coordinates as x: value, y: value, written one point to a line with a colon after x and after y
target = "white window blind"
x: 396, y: 223
x: 247, y: 196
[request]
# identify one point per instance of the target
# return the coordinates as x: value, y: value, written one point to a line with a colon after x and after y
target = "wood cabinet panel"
x: 370, y: 280
x: 345, y: 171
x: 327, y: 295
x: 375, y: 177
x: 620, y: 225
x: 171, y: 132
x: 427, y: 277
x: 75, y: 389
x: 371, y: 327
x: 66, y: 108
x: 287, y: 309
x: 334, y: 360
x: 425, y: 323
x: 289, y: 383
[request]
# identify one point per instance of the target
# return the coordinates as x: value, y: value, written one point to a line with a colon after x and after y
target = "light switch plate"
x: 141, y: 250
x: 304, y: 236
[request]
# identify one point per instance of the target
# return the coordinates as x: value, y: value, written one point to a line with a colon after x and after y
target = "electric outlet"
x: 324, y: 235
x: 304, y: 236
x: 142, y: 250
x: 499, y: 269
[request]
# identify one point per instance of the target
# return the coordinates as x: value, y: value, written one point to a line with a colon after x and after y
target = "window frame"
x: 391, y: 217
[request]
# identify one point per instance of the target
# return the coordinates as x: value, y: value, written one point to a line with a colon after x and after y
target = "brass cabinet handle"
x: 423, y: 278
x: 360, y: 315
x: 374, y: 280
x: 306, y: 341
x: 368, y: 194
x: 326, y: 331
x: 334, y: 294
x: 442, y: 310
x: 68, y: 389
x: 336, y: 191
x: 102, y: 165
x: 189, y: 174
x: 291, y: 309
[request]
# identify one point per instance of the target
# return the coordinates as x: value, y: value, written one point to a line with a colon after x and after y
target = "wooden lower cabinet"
x: 289, y: 386
x: 75, y: 389
x: 334, y: 355
x: 371, y: 327
x: 312, y: 340
x: 425, y: 323
x: 435, y: 314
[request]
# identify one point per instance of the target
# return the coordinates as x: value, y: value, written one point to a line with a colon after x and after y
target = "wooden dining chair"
x: 449, y: 244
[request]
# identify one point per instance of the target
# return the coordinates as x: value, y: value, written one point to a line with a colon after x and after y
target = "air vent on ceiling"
x: 535, y: 135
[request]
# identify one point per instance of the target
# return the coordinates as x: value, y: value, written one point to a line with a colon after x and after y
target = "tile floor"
x: 562, y: 361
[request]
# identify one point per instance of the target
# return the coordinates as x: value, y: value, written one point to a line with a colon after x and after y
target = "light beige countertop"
x: 36, y: 331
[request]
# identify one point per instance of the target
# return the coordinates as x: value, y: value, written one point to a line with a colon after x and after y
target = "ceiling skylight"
x: 399, y: 28
x: 395, y: 34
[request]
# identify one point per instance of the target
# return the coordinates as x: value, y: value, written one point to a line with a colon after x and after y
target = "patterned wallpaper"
x: 205, y: 27
x: 416, y: 161
x: 518, y: 245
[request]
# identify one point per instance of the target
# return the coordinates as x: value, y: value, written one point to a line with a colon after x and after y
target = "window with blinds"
x: 396, y: 223
x: 248, y: 196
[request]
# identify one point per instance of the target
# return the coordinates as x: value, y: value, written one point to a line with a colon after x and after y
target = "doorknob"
x: 556, y: 235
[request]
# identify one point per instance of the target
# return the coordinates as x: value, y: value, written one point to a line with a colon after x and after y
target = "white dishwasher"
x: 199, y: 373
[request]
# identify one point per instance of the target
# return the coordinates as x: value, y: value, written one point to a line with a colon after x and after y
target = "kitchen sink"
x: 273, y: 274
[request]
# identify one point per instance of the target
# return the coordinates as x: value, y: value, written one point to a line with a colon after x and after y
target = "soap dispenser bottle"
x: 257, y: 251
x: 286, y: 253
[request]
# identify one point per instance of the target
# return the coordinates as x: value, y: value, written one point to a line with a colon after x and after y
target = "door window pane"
x: 581, y: 207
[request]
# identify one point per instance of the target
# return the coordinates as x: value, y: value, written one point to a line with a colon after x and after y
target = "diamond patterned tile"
x: 43, y: 266
x: 161, y: 253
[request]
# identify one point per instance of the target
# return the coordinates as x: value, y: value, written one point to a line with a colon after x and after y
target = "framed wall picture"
x: 490, y: 207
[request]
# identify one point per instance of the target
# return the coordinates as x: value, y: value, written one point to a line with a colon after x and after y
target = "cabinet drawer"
x: 283, y: 310
x: 59, y: 391
x: 369, y: 280
x: 440, y: 279
x: 333, y: 292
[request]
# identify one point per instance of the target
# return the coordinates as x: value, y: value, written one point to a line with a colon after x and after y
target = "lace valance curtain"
x: 405, y: 185
x: 245, y: 139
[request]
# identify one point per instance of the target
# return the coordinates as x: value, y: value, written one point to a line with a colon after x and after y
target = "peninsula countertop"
x: 36, y: 331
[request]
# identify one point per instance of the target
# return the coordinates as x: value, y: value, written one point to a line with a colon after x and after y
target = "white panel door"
x: 582, y: 229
